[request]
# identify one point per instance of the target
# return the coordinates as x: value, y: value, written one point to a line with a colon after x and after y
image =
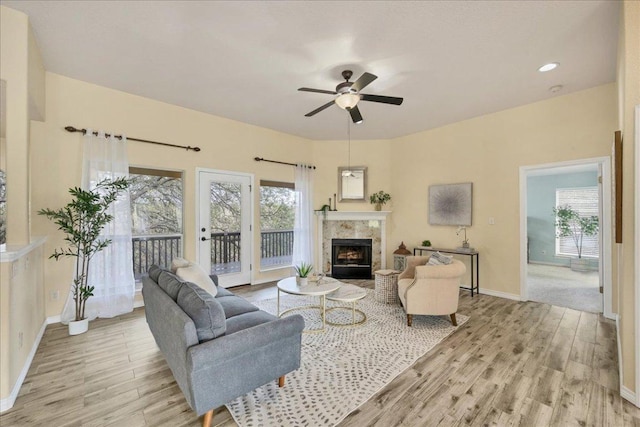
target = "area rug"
x: 343, y: 367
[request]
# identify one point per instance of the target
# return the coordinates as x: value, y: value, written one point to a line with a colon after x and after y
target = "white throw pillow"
x: 177, y: 263
x: 195, y: 274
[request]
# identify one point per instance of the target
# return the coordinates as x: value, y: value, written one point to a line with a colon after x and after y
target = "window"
x: 277, y: 214
x: 156, y: 213
x: 583, y: 200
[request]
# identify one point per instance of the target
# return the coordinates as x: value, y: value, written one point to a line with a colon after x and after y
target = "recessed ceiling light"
x: 548, y: 67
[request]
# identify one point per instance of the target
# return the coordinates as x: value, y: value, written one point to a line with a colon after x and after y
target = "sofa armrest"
x: 227, y: 347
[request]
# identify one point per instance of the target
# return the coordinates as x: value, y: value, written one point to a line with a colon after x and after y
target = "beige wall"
x: 628, y: 98
x: 226, y: 145
x: 488, y: 151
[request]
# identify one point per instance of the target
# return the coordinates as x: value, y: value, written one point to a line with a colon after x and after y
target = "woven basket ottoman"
x: 387, y: 286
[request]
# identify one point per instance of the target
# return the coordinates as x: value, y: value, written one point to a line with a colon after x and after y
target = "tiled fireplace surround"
x: 351, y: 225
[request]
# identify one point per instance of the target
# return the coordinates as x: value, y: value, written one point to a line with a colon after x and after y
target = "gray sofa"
x: 224, y: 348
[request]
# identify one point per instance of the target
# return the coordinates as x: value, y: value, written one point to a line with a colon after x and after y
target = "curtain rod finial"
x: 257, y: 159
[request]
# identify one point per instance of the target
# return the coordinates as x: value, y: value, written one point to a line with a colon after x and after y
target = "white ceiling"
x: 245, y: 60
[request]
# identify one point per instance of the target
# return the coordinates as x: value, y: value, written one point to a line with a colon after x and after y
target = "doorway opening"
x: 565, y: 230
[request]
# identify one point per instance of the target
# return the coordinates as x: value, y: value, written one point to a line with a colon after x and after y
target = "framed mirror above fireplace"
x: 352, y: 184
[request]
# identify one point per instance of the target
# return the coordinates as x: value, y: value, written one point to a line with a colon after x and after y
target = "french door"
x: 224, y: 225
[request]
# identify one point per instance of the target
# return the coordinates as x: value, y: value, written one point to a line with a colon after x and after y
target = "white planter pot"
x: 303, y: 281
x: 78, y: 327
x: 579, y: 264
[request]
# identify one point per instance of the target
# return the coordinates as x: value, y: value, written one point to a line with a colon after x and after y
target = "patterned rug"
x: 343, y: 367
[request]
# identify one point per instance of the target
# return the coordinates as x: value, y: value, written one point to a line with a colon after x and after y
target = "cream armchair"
x: 430, y: 289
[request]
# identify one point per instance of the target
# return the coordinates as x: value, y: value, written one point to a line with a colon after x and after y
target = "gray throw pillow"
x: 440, y: 259
x: 169, y: 283
x: 207, y: 313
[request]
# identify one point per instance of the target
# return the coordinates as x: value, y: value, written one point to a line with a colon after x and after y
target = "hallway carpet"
x: 563, y: 287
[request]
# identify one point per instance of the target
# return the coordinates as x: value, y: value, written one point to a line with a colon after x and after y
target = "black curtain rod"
x: 84, y: 132
x: 260, y: 159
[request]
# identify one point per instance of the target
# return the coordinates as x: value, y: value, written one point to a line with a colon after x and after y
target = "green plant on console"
x: 426, y: 243
x: 304, y: 269
x: 82, y: 220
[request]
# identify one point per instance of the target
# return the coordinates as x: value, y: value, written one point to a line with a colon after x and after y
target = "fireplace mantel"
x: 352, y: 215
x: 377, y: 219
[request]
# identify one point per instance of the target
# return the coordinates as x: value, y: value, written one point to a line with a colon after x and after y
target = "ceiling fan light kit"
x: 347, y: 101
x: 348, y: 95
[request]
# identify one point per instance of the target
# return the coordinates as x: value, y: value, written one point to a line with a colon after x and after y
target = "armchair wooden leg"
x: 206, y: 421
x: 453, y: 319
x: 281, y: 381
x: 409, y: 319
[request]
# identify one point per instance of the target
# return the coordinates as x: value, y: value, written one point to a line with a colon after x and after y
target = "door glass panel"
x: 226, y: 219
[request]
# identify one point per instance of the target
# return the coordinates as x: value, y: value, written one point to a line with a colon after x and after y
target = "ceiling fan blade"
x: 355, y: 115
x: 363, y: 81
x: 317, y: 110
x: 384, y: 99
x: 308, y: 89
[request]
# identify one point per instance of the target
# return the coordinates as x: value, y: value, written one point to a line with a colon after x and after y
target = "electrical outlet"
x: 55, y: 295
x: 492, y: 221
x: 544, y: 252
x: 15, y: 269
x: 26, y: 263
x: 20, y: 339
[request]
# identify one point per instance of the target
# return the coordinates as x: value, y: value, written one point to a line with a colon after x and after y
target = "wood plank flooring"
x: 512, y: 363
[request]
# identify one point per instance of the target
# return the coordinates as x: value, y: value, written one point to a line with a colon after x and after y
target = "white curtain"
x: 111, y: 270
x: 302, y: 229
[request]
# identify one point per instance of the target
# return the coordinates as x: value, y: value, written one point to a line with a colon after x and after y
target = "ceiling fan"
x: 349, y: 95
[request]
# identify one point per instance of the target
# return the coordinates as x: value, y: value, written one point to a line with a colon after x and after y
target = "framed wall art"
x: 450, y: 204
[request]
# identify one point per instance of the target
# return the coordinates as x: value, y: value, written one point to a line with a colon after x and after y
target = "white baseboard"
x: 500, y: 294
x: 7, y: 403
x: 53, y: 319
x: 627, y: 394
x: 260, y: 282
x: 137, y: 304
x: 621, y: 376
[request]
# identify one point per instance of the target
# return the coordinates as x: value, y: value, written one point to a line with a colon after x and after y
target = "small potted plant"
x: 426, y: 243
x: 303, y: 270
x: 380, y: 198
x: 82, y: 220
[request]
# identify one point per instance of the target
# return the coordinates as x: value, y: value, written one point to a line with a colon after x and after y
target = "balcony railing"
x: 276, y: 248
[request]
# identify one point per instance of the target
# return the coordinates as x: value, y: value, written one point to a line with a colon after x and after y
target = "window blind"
x: 585, y: 201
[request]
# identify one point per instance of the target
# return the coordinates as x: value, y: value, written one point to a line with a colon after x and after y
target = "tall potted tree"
x: 82, y: 220
x: 569, y: 223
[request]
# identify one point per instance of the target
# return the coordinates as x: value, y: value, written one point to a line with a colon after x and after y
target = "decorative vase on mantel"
x: 378, y: 206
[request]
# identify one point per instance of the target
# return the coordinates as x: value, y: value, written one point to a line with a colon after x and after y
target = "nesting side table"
x: 386, y: 286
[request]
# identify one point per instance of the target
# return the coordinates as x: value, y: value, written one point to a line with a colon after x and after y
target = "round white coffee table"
x: 349, y: 294
x: 326, y: 286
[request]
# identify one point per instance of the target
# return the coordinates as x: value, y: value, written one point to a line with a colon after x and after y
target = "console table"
x: 472, y: 254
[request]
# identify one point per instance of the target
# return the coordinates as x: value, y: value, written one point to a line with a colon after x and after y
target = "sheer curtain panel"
x: 302, y: 230
x: 111, y: 269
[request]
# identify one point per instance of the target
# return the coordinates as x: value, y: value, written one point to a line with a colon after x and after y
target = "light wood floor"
x: 530, y: 364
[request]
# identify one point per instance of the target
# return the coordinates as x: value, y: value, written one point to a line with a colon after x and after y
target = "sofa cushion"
x: 234, y: 306
x: 154, y: 272
x: 248, y: 320
x: 222, y: 292
x: 169, y: 283
x: 207, y: 314
x: 195, y: 274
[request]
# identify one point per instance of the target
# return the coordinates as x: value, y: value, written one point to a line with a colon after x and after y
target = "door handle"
x: 204, y: 239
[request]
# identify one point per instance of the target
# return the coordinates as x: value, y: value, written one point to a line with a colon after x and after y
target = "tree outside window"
x: 277, y: 215
x: 156, y: 213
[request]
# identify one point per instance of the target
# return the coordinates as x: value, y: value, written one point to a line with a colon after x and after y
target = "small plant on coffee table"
x: 303, y: 270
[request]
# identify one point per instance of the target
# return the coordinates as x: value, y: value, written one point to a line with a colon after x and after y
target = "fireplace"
x: 351, y: 258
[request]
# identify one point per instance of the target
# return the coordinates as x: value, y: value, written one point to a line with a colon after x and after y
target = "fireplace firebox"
x: 351, y: 258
